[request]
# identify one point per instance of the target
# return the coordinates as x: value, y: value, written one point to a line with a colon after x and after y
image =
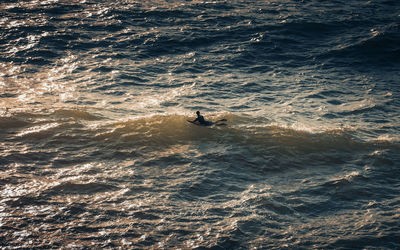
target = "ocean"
x: 96, y: 151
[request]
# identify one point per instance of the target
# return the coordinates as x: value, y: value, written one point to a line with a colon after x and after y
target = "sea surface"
x: 96, y: 151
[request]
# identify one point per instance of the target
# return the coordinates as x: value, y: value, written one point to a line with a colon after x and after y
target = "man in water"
x: 201, y: 121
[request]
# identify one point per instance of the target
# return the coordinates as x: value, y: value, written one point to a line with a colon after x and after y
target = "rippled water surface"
x: 96, y: 152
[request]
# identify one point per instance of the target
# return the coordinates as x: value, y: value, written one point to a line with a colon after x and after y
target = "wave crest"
x: 163, y: 130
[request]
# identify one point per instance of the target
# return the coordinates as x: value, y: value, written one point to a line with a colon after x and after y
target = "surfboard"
x: 208, y: 123
x: 203, y: 125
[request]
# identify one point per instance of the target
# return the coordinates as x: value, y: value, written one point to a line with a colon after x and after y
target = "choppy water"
x: 95, y: 150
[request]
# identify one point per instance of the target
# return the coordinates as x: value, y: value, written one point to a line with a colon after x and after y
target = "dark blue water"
x: 96, y: 152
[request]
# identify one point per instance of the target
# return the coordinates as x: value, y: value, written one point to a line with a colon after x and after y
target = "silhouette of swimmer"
x: 201, y: 121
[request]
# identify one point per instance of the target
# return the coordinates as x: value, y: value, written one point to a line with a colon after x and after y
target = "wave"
x: 165, y: 130
x: 43, y: 125
x: 11, y: 122
x: 172, y: 129
x: 379, y: 48
x: 82, y: 188
x: 76, y: 114
x: 244, y: 131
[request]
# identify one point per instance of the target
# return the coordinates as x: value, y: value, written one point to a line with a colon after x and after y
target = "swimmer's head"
x: 198, y: 112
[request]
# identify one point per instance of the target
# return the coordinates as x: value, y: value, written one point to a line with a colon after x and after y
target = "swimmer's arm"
x: 194, y: 121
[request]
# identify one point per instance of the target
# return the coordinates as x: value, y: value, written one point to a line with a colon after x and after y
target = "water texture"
x: 96, y: 152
